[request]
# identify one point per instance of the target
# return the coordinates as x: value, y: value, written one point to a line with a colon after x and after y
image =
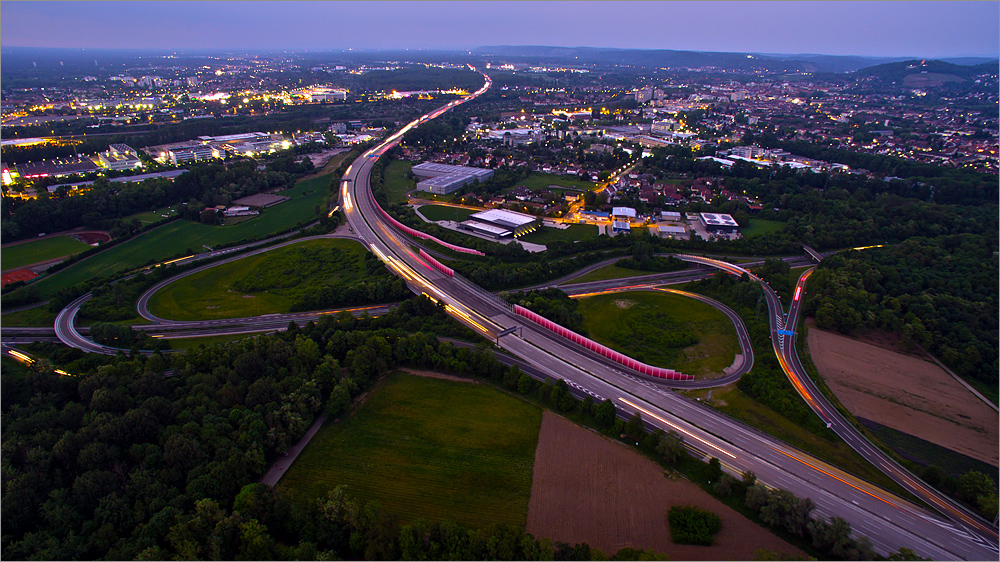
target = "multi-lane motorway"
x: 890, y: 522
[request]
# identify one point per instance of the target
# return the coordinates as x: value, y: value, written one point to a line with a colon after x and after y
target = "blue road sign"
x: 786, y: 333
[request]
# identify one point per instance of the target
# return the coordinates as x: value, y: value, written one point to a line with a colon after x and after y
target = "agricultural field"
x: 444, y: 213
x: 587, y: 488
x: 906, y: 393
x: 761, y: 226
x: 265, y: 283
x: 663, y: 329
x: 395, y: 182
x: 17, y: 256
x: 176, y: 237
x: 427, y: 448
x: 548, y: 235
x: 542, y: 181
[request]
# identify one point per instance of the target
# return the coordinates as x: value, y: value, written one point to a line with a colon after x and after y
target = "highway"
x: 806, y: 387
x: 888, y: 521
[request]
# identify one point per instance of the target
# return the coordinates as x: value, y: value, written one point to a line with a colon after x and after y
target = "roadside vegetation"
x: 444, y: 213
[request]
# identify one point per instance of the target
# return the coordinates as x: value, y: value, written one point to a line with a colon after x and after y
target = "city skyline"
x: 889, y: 29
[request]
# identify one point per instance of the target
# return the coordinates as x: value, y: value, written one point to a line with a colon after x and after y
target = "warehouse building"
x: 56, y: 168
x: 714, y: 222
x: 443, y: 179
x: 673, y: 232
x: 500, y: 223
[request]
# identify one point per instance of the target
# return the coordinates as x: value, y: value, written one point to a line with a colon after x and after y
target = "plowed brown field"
x: 587, y: 488
x: 905, y: 393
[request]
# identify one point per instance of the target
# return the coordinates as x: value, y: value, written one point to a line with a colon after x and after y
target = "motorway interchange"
x: 889, y: 521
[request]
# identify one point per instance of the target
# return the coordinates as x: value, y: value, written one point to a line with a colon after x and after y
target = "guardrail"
x: 658, y: 372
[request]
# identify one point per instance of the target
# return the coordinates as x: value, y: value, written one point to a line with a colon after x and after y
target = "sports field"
x: 173, y: 238
x: 427, y: 448
x: 265, y: 283
x: 27, y: 253
x: 663, y: 329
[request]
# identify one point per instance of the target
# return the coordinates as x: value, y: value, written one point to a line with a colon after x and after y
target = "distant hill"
x: 926, y: 73
x: 665, y: 58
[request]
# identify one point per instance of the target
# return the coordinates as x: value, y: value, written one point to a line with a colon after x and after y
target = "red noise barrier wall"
x: 422, y: 236
x: 440, y: 266
x: 658, y: 372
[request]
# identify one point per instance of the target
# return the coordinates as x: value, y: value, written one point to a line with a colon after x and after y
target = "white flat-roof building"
x: 670, y: 215
x: 516, y: 223
x: 486, y: 229
x: 621, y: 226
x: 626, y: 213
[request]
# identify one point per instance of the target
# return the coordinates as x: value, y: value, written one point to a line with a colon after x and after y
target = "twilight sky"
x: 919, y: 29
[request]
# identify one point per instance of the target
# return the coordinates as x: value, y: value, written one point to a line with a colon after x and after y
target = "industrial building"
x: 120, y: 157
x: 191, y: 154
x: 714, y: 222
x: 623, y: 213
x: 443, y: 179
x: 674, y: 232
x: 57, y: 168
x: 620, y: 226
x: 500, y: 223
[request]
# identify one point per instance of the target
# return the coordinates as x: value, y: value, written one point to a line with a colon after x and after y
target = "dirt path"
x: 587, y: 488
x: 906, y: 393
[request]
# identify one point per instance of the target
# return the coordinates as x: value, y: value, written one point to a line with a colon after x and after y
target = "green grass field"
x: 547, y: 235
x: 395, y: 182
x: 427, y: 448
x: 20, y: 255
x: 612, y: 271
x: 543, y: 181
x: 444, y: 213
x: 38, y: 317
x: 761, y: 226
x: 177, y: 236
x: 209, y: 294
x: 663, y: 329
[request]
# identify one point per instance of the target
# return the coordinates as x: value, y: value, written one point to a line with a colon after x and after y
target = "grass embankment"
x: 37, y: 317
x: 761, y: 226
x: 20, y: 255
x: 732, y: 401
x: 612, y: 271
x: 220, y: 292
x: 428, y: 448
x: 548, y: 235
x: 177, y: 236
x: 542, y: 181
x: 395, y: 183
x: 444, y: 213
x: 663, y: 329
